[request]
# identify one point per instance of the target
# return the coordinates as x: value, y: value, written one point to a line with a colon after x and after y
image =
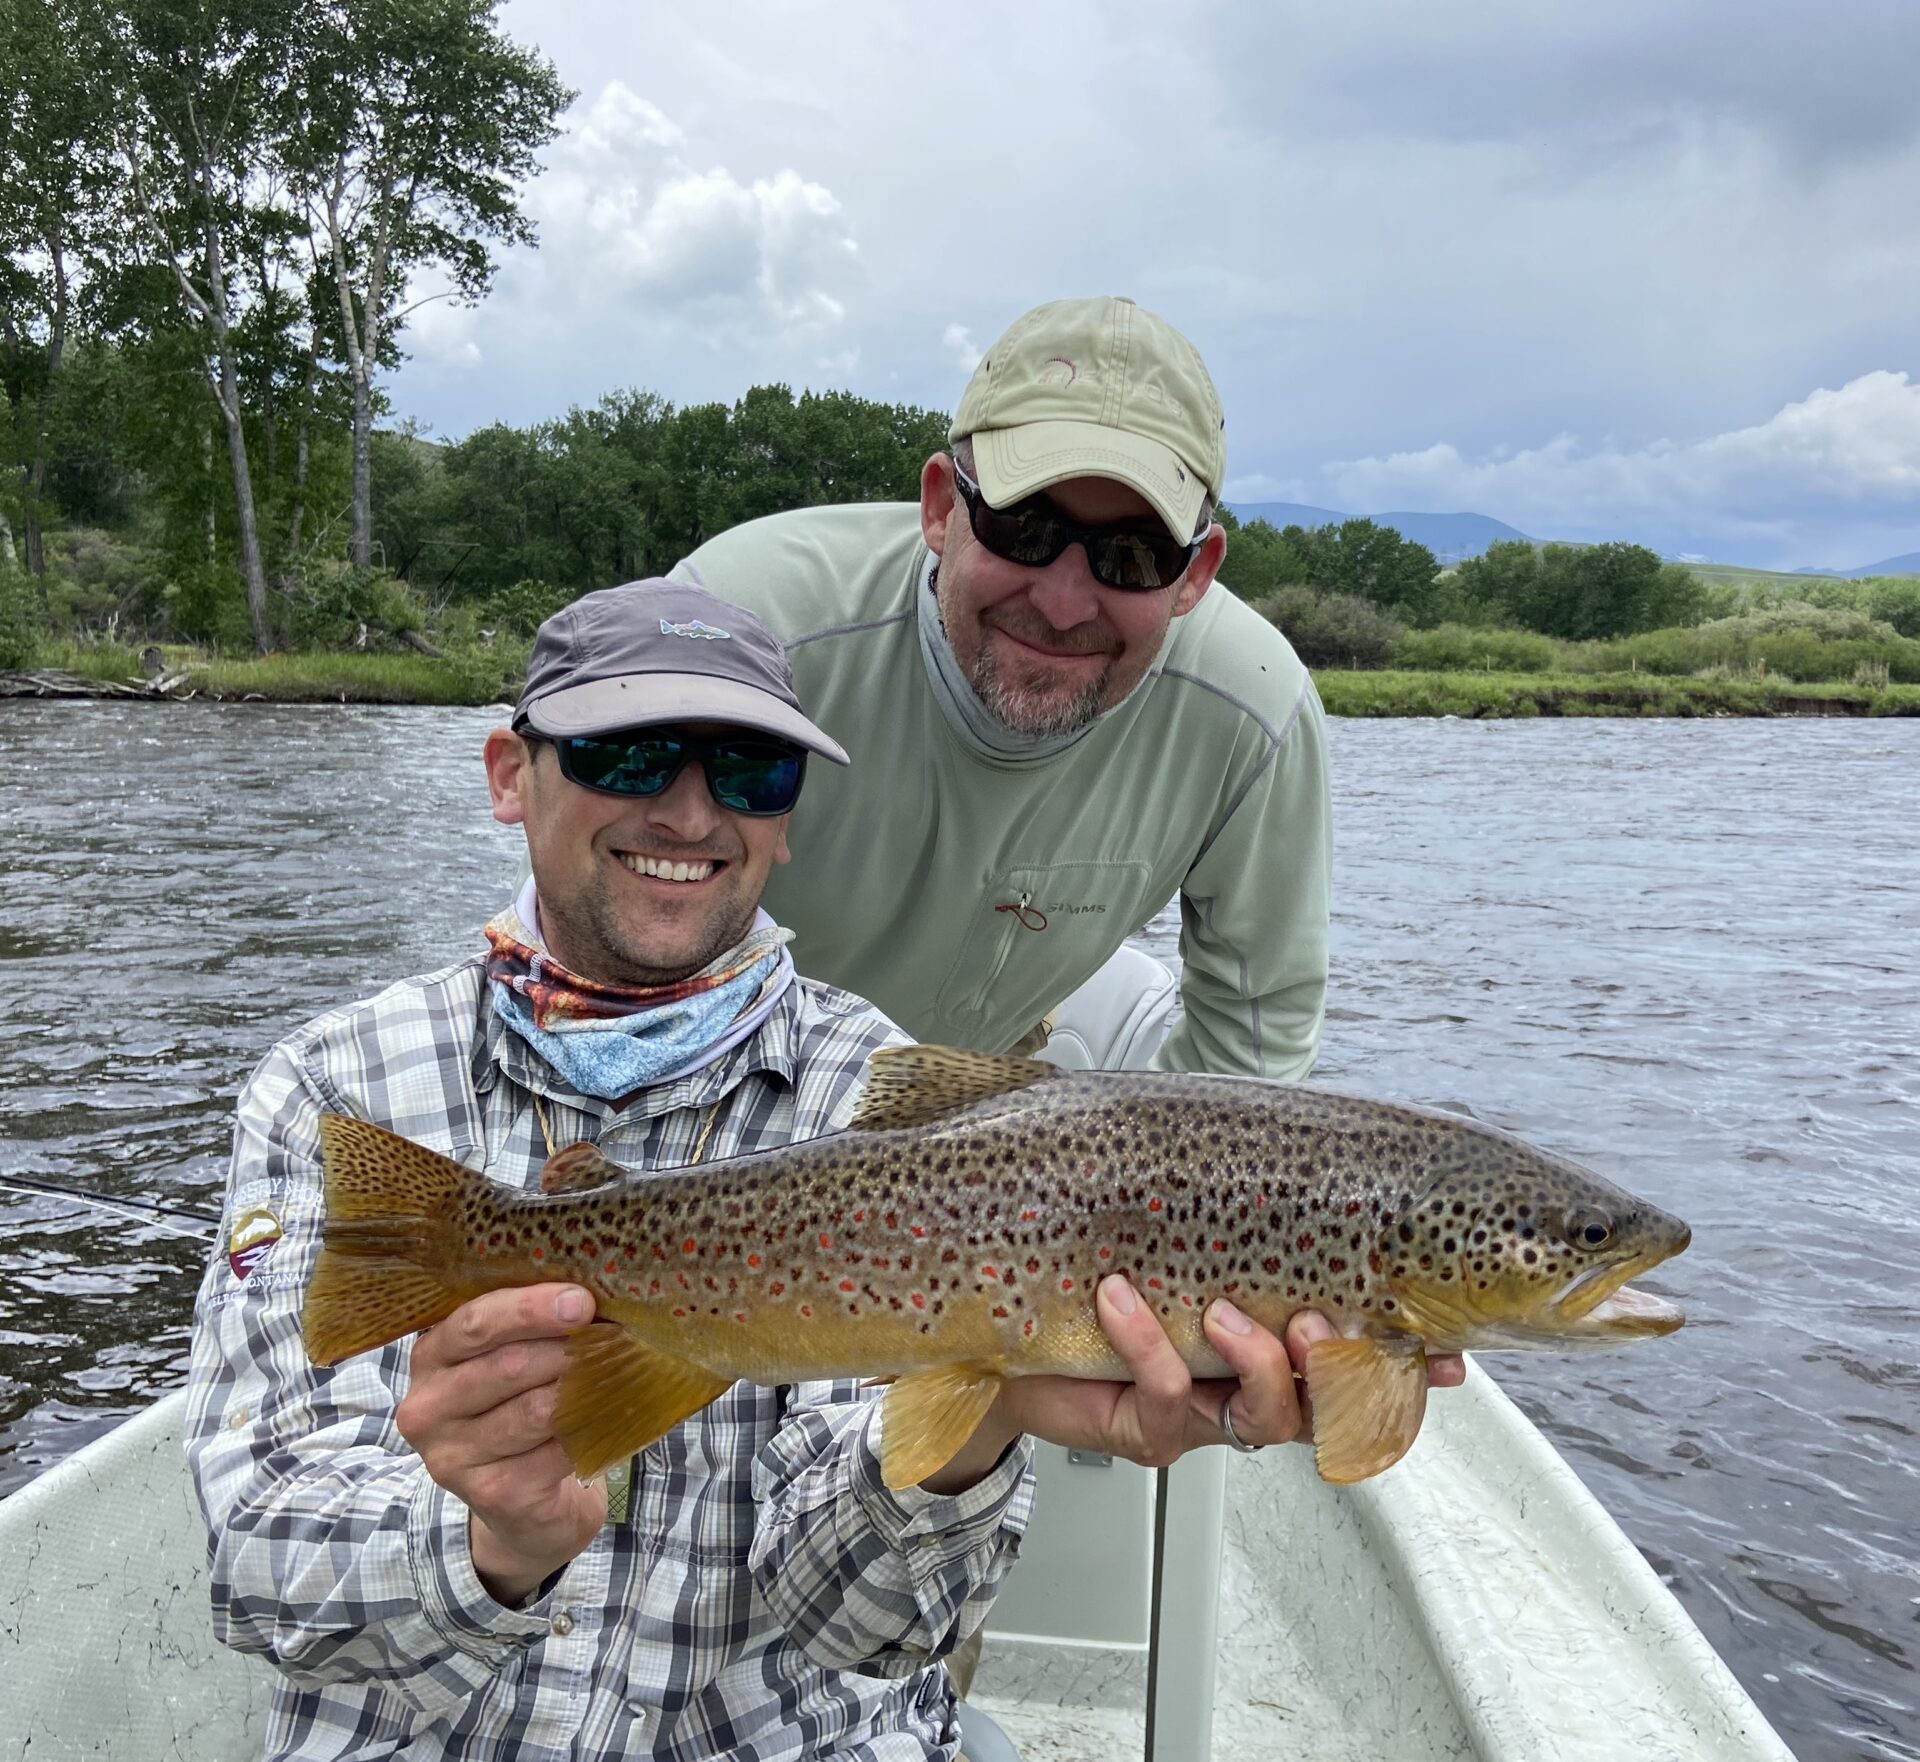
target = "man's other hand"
x: 480, y: 1413
x: 1163, y: 1413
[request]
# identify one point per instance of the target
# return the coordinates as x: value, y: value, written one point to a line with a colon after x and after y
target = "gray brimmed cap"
x: 661, y: 651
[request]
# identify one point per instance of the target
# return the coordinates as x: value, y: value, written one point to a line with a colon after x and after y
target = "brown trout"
x: 954, y: 1235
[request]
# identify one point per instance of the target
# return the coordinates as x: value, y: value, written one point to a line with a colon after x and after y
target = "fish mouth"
x: 1600, y: 1303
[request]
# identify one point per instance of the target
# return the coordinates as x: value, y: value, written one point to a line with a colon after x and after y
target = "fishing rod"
x: 143, y: 1211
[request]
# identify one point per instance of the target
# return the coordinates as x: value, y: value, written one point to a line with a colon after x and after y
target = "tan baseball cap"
x: 1096, y: 388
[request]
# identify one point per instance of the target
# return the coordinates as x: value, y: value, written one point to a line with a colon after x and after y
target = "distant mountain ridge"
x: 1906, y: 565
x: 1451, y: 537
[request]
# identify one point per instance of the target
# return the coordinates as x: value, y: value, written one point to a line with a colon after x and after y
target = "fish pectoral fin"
x: 617, y: 1396
x: 914, y: 1085
x: 926, y: 1417
x: 578, y: 1167
x: 1369, y: 1397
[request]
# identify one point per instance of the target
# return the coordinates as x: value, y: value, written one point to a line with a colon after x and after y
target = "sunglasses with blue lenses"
x: 1134, y: 556
x: 746, y: 773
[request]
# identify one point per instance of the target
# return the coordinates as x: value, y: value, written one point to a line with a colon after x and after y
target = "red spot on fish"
x: 1259, y: 1199
x: 689, y: 1246
x: 613, y: 1266
x: 806, y: 1309
x: 987, y: 1272
x: 919, y: 1300
x: 539, y: 1254
x: 1033, y: 1266
x: 919, y: 1233
x: 1304, y: 1241
x: 1106, y: 1254
x: 753, y: 1260
x: 1219, y: 1248
x: 893, y: 1220
x: 860, y: 1216
x: 685, y: 1285
x: 659, y: 1253
x: 739, y: 1315
x: 848, y: 1285
x: 680, y: 1314
x: 1027, y: 1217
x: 1027, y: 1329
x: 826, y: 1241
x: 1353, y: 1207
x: 1270, y: 1264
x: 881, y: 1260
x: 653, y: 1287
x: 1153, y: 1205
x: 1066, y: 1284
x: 1155, y: 1285
x: 1184, y: 1298
x: 779, y: 1287
x: 1000, y: 1312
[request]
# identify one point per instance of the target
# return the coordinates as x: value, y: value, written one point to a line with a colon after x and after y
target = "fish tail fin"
x: 387, y: 1241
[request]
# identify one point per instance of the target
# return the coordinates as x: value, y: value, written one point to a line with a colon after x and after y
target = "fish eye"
x: 1589, y: 1229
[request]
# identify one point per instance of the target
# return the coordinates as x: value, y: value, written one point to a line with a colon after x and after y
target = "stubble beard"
x: 1035, y: 710
x: 595, y: 933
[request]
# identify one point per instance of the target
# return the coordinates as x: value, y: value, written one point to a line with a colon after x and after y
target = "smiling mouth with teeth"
x: 660, y: 869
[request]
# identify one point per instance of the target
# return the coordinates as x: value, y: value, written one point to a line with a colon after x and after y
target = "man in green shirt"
x: 1058, y: 727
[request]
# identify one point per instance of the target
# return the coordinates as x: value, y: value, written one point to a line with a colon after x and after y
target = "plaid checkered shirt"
x: 765, y: 1597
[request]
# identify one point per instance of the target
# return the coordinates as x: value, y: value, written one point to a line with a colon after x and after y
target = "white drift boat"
x: 1474, y: 1602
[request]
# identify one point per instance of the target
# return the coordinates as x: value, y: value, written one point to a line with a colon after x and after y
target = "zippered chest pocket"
x: 1039, y: 931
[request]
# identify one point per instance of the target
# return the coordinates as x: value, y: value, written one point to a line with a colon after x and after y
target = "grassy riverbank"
x: 1481, y: 695
x: 492, y: 676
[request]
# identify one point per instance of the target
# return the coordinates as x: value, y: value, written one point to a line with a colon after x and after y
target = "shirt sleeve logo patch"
x: 251, y: 1242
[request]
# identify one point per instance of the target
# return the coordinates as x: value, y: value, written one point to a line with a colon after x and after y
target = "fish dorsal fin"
x: 577, y: 1168
x: 914, y: 1085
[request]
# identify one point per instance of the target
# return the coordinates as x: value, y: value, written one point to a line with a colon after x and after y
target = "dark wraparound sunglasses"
x: 746, y: 773
x: 1134, y: 556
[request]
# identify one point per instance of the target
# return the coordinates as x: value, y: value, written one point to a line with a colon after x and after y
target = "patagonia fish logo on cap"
x: 695, y: 627
x: 252, y: 1241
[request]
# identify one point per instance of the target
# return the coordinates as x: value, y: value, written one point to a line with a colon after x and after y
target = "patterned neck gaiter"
x: 609, y: 1040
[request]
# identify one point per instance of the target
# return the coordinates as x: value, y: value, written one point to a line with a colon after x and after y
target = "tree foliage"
x: 1580, y: 592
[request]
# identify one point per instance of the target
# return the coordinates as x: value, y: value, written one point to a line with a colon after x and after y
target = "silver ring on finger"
x: 1233, y: 1437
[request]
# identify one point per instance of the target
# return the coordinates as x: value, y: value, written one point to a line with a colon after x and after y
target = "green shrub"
x: 521, y: 609
x: 205, y: 602
x: 1457, y: 648
x: 20, y: 622
x: 328, y: 604
x: 1333, y: 630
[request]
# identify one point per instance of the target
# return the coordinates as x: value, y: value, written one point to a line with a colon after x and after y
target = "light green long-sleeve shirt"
x: 966, y: 892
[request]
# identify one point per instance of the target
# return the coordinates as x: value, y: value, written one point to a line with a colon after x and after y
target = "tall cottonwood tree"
x: 417, y: 122
x: 202, y: 90
x: 57, y: 185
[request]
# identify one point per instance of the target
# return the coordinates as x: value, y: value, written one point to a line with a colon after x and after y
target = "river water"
x: 1686, y: 953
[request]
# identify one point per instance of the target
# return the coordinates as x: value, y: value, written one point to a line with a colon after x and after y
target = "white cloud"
x: 638, y: 239
x: 441, y: 330
x: 1857, y: 447
x: 958, y: 341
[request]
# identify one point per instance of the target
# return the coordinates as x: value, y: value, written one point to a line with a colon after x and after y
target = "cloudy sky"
x: 1635, y: 270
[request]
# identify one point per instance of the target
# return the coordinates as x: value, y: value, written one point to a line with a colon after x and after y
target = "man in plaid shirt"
x: 402, y: 1535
